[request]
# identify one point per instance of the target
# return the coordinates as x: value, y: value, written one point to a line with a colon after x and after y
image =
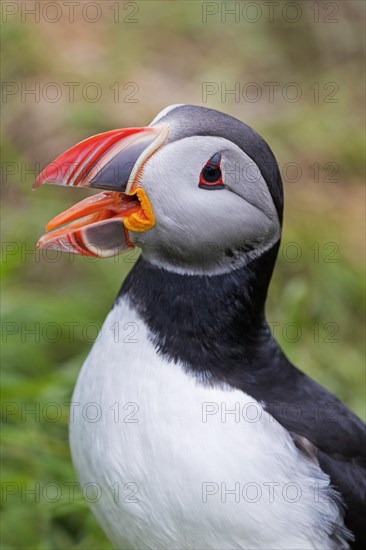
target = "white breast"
x: 170, y: 467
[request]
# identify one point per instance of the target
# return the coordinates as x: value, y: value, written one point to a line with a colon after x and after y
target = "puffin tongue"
x: 94, y: 226
x: 108, y: 202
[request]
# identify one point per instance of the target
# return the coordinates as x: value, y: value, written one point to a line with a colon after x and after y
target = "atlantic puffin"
x: 194, y: 428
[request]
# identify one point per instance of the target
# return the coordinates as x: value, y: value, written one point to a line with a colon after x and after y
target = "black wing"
x: 307, y: 409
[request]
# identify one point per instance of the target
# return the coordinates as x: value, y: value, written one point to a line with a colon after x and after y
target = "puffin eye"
x: 211, y: 173
x: 211, y: 176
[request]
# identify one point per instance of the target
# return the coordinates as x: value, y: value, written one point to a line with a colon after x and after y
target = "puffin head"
x: 197, y: 190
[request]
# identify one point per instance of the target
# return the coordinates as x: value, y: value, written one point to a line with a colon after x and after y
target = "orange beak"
x: 99, y: 225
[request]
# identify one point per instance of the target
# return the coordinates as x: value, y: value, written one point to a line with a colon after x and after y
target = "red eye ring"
x: 211, y: 175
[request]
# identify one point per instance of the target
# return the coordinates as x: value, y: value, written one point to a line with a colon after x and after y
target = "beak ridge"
x: 103, y: 161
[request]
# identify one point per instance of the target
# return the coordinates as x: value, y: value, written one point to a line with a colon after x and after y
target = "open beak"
x: 99, y: 225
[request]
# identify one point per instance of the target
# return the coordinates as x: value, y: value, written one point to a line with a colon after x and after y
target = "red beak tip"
x: 40, y: 244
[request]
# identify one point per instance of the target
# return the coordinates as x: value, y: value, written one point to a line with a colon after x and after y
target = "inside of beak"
x: 98, y: 225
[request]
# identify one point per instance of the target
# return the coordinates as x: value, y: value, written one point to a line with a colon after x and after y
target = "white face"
x: 206, y: 230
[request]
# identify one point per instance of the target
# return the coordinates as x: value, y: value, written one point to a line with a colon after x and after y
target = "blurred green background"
x: 116, y: 66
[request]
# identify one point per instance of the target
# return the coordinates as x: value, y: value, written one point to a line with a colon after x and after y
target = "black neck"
x: 211, y: 324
